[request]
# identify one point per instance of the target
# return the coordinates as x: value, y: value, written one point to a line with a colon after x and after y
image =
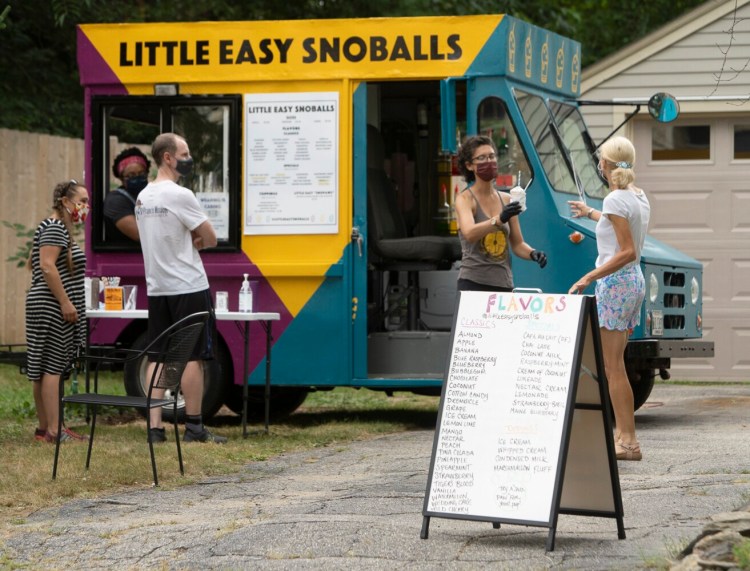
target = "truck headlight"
x: 695, y: 290
x: 653, y: 288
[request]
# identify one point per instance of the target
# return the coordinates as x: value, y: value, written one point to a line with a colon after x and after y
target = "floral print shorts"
x: 619, y: 297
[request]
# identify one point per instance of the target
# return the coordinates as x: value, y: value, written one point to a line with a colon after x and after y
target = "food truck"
x: 325, y: 158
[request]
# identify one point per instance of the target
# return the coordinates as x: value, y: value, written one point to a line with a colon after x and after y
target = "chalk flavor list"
x: 503, y: 406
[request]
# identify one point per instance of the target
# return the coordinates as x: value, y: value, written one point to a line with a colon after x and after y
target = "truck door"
x: 519, y: 120
x: 490, y: 111
x: 358, y: 247
x: 481, y: 106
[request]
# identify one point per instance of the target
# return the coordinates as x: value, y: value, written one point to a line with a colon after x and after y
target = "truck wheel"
x: 136, y: 382
x: 284, y: 401
x: 642, y: 382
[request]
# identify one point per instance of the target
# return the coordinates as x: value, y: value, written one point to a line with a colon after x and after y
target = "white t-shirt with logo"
x: 166, y: 213
x: 635, y: 208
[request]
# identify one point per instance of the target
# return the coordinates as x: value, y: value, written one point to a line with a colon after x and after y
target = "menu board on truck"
x: 291, y: 163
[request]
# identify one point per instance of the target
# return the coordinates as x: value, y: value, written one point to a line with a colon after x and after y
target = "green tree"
x: 4, y: 15
x: 605, y: 26
x: 40, y: 90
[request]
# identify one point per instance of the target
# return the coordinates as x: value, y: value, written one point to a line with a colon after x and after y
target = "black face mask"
x: 136, y: 184
x: 184, y: 166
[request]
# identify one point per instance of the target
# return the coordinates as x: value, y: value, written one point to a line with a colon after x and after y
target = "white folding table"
x: 239, y: 318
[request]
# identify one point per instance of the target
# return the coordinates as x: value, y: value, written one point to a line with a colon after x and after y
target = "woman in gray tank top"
x: 488, y: 223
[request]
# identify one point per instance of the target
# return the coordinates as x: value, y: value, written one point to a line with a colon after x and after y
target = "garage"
x: 695, y: 170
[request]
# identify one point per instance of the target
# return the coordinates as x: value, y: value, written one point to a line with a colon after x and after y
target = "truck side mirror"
x: 663, y: 107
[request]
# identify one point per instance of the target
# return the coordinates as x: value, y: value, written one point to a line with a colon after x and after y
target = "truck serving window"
x: 211, y: 127
x: 563, y: 144
x: 494, y: 121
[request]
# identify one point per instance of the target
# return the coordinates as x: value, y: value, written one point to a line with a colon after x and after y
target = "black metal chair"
x: 173, y: 347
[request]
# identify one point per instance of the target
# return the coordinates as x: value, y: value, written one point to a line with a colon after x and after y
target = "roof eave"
x: 656, y: 41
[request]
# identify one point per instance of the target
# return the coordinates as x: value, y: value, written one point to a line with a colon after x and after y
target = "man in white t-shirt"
x: 172, y: 228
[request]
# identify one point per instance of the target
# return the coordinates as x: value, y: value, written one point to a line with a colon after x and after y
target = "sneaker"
x: 202, y: 436
x: 64, y: 437
x: 158, y: 435
x: 39, y: 434
x: 74, y: 435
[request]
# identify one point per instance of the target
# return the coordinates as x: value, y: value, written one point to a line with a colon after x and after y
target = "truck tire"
x: 284, y: 401
x: 136, y: 383
x: 642, y: 382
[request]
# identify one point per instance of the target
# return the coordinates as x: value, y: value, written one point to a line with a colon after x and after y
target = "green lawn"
x: 120, y: 458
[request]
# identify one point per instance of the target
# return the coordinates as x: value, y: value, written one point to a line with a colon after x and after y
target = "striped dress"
x: 52, y: 342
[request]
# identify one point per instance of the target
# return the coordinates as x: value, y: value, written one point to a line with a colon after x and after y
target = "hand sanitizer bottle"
x: 246, y: 296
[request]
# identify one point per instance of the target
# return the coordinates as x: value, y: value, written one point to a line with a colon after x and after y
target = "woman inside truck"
x: 131, y: 167
x: 488, y: 222
x: 620, y: 287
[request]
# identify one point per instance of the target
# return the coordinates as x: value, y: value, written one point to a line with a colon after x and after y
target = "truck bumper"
x: 658, y: 353
x: 669, y: 349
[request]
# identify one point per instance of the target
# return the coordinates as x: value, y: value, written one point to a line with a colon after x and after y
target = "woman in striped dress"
x: 55, y: 304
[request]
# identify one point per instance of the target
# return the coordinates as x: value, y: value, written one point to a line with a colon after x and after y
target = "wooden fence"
x: 30, y: 166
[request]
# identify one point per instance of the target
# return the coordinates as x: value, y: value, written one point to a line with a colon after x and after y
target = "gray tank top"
x: 487, y: 261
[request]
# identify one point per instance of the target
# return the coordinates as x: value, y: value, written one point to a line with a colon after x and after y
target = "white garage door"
x: 696, y: 172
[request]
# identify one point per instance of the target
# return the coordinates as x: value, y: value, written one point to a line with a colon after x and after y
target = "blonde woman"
x: 55, y: 305
x: 621, y: 228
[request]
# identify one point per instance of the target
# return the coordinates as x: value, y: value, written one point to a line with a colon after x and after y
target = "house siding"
x: 688, y: 68
x: 699, y: 207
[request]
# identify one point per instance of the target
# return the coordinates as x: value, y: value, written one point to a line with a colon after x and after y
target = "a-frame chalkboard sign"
x: 524, y: 430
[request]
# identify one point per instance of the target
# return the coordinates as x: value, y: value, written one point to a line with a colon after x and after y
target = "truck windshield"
x: 563, y: 145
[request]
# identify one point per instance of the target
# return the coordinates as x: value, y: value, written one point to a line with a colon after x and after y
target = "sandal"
x: 627, y: 451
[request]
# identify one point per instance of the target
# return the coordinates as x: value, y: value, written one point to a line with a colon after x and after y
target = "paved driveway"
x: 359, y: 506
